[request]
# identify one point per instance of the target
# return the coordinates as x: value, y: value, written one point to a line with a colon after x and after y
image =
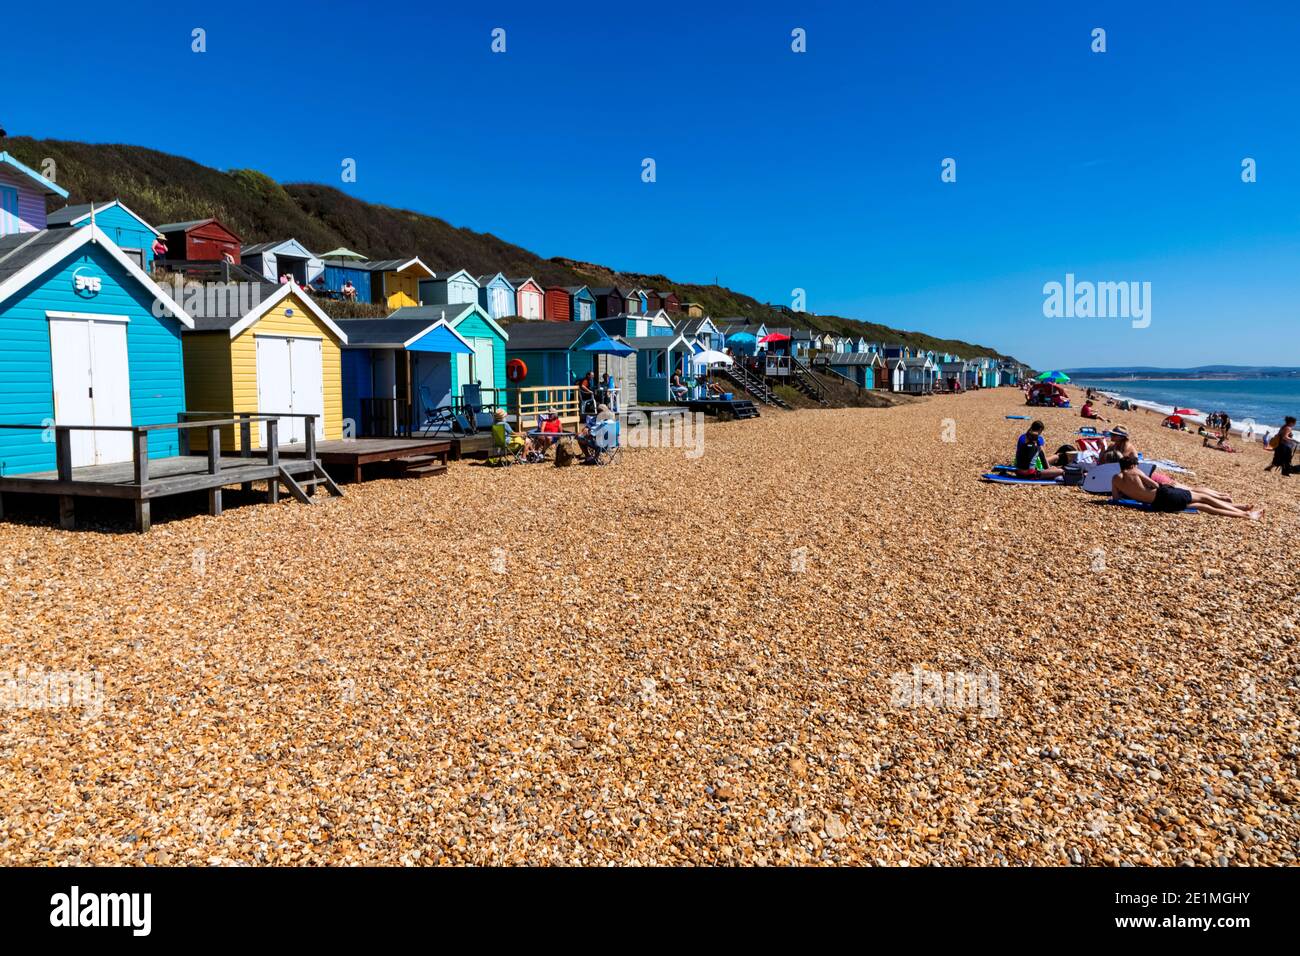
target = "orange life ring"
x: 516, y: 370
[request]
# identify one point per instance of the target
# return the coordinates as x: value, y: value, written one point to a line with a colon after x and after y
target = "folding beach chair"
x: 479, y: 417
x: 501, y: 453
x: 434, y: 418
x: 607, y: 441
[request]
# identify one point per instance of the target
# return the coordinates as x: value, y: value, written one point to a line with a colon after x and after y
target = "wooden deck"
x: 166, y: 477
x: 409, y: 457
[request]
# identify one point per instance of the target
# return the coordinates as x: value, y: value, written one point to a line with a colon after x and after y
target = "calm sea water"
x: 1265, y: 400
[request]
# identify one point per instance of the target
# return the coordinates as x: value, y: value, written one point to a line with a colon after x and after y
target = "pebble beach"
x: 745, y: 656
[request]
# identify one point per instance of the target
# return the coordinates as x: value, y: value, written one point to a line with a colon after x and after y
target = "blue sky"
x: 775, y: 170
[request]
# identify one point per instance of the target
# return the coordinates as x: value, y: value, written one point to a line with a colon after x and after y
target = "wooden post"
x: 245, y: 444
x: 272, y: 457
x: 63, y: 452
x: 184, y: 437
x: 142, y: 517
x: 310, y: 450
x: 214, y: 468
x: 67, y: 513
x: 140, y: 455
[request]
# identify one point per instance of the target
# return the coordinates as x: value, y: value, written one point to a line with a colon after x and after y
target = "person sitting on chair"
x: 586, y: 393
x: 677, y: 388
x: 515, y: 444
x: 589, y: 441
x: 550, y: 426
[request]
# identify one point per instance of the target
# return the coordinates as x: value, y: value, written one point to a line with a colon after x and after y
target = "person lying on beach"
x: 1221, y: 444
x: 1132, y: 484
x: 1031, y: 460
x: 1121, y: 446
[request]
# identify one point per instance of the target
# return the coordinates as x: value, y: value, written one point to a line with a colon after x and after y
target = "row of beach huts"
x: 141, y: 360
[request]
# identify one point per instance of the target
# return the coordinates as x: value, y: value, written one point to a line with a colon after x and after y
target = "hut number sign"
x: 86, y: 285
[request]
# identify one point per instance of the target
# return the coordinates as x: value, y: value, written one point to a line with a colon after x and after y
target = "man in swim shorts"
x: 1132, y: 484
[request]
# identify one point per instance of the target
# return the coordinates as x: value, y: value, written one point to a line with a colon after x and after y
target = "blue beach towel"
x: 1022, y: 418
x: 1011, y: 479
x: 1143, y: 506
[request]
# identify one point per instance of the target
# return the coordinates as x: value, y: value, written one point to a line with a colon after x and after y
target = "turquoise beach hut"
x: 453, y: 285
x: 86, y: 338
x: 129, y: 232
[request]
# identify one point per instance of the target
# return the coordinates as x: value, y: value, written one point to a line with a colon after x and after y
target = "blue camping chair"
x: 476, y: 413
x: 434, y: 418
x: 606, y: 441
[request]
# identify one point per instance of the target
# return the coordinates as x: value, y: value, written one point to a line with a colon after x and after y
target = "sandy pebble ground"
x: 821, y: 641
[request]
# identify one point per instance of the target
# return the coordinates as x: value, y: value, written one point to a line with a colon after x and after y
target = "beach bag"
x: 567, y: 451
x: 1074, y: 474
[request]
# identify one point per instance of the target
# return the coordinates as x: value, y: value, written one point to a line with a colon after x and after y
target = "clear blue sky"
x: 775, y: 170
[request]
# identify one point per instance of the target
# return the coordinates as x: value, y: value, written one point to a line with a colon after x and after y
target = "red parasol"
x: 774, y: 337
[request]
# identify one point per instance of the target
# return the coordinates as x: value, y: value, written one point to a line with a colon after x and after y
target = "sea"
x: 1265, y: 401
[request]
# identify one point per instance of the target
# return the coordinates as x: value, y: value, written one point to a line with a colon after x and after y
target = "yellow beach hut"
x: 264, y: 352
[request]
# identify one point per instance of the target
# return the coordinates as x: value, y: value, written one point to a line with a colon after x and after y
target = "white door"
x: 290, y: 379
x: 484, y: 367
x: 274, y: 387
x: 92, y: 386
x: 306, y: 359
x: 532, y: 305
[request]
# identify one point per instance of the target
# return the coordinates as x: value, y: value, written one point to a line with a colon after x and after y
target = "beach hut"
x: 669, y: 301
x: 610, y: 301
x: 703, y: 331
x: 23, y: 192
x: 286, y: 257
x: 658, y: 358
x: 557, y: 353
x: 395, y: 283
x: 653, y: 300
x: 450, y: 286
x: 263, y: 353
x: 340, y: 270
x: 486, y: 363
x: 919, y: 375
x: 200, y: 240
x: 129, y: 232
x: 86, y: 338
x: 858, y: 367
x: 801, y: 344
x: 396, y: 371
x: 558, y: 305
x: 634, y: 301
x: 529, y: 297
x: 638, y: 325
x: 582, y: 304
x: 897, y: 369
x: 693, y: 310
x: 497, y: 296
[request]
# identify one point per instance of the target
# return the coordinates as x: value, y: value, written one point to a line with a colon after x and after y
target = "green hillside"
x: 164, y: 188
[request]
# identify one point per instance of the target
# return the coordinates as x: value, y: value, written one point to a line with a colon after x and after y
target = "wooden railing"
x: 245, y: 420
x: 531, y: 401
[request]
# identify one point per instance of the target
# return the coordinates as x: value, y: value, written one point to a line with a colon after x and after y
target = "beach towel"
x: 1142, y: 505
x: 1012, y: 479
x: 1099, y: 476
x: 1022, y: 418
x: 1170, y: 466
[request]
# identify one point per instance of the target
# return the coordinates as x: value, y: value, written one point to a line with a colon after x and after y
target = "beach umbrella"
x: 1186, y: 411
x: 712, y: 357
x: 774, y: 337
x: 1053, y: 376
x: 343, y: 253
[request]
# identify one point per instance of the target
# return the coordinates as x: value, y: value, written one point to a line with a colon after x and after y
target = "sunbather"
x: 1121, y: 446
x: 1032, y: 461
x: 1132, y: 484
